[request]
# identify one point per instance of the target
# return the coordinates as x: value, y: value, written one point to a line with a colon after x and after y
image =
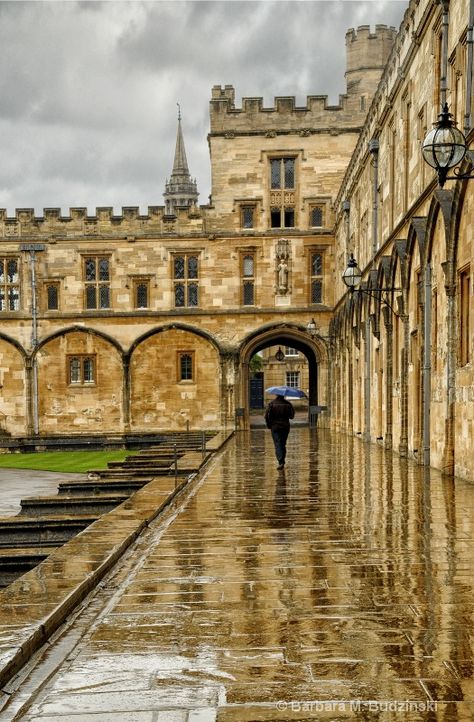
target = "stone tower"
x: 366, y: 56
x: 180, y: 190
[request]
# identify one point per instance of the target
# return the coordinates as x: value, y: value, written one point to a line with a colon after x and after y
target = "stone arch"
x: 160, y: 397
x: 83, y: 406
x: 13, y: 387
x: 315, y: 349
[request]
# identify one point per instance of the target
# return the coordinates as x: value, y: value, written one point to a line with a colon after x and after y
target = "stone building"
x: 131, y: 324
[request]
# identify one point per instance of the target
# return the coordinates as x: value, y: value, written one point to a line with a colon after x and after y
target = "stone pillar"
x: 403, y: 445
x: 448, y: 465
x: 126, y: 393
x: 387, y: 317
x: 29, y: 383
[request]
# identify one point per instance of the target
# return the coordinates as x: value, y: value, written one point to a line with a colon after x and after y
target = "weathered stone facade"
x: 149, y: 322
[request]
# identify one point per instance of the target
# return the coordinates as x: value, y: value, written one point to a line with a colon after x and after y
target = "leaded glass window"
x: 9, y: 284
x: 247, y: 266
x: 185, y: 274
x: 316, y: 217
x: 247, y: 272
x: 97, y: 282
x: 248, y: 293
x: 185, y: 366
x: 52, y: 296
x: 81, y: 369
x: 283, y: 192
x: 141, y: 294
x: 316, y: 278
x: 247, y: 213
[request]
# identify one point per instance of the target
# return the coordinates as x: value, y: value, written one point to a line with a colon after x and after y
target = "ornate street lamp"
x: 352, y: 277
x: 280, y: 356
x: 444, y: 147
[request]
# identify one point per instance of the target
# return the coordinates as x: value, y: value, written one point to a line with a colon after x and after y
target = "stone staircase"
x: 46, y: 523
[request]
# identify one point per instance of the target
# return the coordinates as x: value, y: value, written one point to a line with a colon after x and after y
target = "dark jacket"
x: 278, y: 413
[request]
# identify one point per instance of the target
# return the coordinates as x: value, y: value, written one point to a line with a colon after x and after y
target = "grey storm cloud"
x: 88, y: 90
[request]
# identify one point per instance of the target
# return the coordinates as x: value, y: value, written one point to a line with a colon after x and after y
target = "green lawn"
x: 67, y: 461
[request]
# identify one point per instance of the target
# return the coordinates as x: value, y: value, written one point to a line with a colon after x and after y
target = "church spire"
x: 180, y: 190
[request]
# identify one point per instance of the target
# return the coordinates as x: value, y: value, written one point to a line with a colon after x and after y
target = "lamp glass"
x: 352, y: 275
x: 444, y: 147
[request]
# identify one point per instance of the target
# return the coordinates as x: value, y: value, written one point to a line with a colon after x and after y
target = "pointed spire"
x: 180, y: 190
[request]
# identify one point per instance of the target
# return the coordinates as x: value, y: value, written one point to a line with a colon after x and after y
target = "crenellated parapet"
x: 284, y: 117
x: 103, y: 222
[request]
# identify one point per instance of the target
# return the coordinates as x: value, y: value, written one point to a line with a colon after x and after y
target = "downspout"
x: 427, y: 365
x: 469, y: 67
x: 443, y: 81
x: 374, y: 150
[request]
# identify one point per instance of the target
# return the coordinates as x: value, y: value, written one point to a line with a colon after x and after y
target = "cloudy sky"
x: 88, y: 90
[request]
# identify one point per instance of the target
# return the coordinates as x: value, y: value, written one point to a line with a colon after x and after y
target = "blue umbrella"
x: 286, y: 391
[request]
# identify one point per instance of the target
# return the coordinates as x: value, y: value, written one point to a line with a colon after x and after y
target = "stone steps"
x: 19, y: 560
x: 17, y: 531
x: 47, y: 522
x: 67, y: 504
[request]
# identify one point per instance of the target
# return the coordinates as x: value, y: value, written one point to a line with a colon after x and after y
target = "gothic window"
x: 185, y: 279
x: 97, y: 282
x: 316, y: 216
x: 52, y: 296
x: 282, y: 194
x: 185, y: 366
x: 9, y: 284
x: 316, y: 272
x: 248, y: 279
x: 247, y: 214
x: 293, y: 379
x: 141, y: 293
x: 464, y: 317
x: 81, y: 370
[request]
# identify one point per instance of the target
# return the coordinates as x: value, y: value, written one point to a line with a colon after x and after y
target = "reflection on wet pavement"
x: 339, y: 589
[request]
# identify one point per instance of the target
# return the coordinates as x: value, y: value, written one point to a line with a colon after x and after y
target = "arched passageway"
x: 295, y: 337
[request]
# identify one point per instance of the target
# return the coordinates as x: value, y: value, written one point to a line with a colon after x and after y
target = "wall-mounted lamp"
x: 312, y: 329
x: 352, y: 277
x: 279, y: 356
x: 444, y: 147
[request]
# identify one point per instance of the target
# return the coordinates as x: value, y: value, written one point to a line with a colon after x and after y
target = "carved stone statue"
x: 282, y: 276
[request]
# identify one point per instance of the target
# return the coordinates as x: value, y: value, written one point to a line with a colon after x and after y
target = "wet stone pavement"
x: 339, y: 589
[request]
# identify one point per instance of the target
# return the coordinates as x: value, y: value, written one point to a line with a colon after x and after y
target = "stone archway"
x: 314, y: 349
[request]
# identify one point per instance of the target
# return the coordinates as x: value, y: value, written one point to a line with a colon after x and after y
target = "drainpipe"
x: 443, y: 81
x: 470, y: 53
x: 32, y: 248
x: 374, y: 150
x: 427, y: 365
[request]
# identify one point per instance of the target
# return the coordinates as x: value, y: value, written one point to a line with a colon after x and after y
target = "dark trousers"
x: 279, y: 437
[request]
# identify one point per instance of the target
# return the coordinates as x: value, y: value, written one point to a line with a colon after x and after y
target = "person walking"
x: 277, y: 418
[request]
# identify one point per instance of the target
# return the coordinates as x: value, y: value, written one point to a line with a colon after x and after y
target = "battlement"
x: 366, y: 50
x: 78, y: 223
x: 284, y: 116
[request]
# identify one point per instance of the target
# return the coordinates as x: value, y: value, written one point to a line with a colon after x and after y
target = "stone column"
x: 448, y: 466
x: 387, y: 317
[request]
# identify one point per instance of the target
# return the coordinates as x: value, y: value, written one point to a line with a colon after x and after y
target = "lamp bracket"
x: 383, y: 300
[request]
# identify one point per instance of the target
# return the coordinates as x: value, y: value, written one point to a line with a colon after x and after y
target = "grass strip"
x: 67, y: 461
